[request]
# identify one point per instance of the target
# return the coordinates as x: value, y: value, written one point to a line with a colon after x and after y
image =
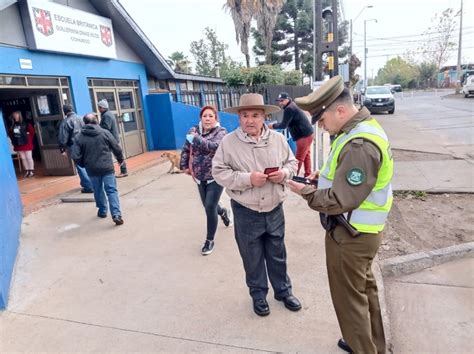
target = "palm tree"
x: 241, y: 12
x: 266, y: 15
x: 179, y: 61
x: 264, y: 11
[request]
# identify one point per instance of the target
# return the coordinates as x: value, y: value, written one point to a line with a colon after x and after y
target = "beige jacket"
x: 238, y: 155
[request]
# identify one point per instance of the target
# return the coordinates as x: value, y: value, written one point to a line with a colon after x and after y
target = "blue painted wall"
x: 77, y: 69
x: 170, y: 121
x: 10, y: 216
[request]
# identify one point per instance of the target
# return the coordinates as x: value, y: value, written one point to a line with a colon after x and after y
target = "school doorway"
x: 39, y: 101
x: 123, y: 97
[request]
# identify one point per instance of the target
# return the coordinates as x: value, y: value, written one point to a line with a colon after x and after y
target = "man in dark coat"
x: 92, y: 150
x: 108, y: 122
x: 300, y: 129
x: 68, y: 130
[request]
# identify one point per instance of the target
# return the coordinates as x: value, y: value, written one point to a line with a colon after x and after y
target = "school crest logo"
x: 43, y: 21
x: 106, y: 35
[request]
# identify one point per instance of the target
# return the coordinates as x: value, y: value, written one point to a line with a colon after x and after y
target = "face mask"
x: 190, y: 138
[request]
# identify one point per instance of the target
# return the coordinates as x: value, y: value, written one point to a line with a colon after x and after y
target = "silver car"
x: 379, y: 99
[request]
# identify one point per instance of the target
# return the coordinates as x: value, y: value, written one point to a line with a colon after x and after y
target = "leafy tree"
x: 209, y: 53
x: 293, y: 77
x: 293, y: 37
x: 263, y: 74
x: 437, y: 48
x: 397, y: 71
x: 179, y: 62
x: 427, y: 73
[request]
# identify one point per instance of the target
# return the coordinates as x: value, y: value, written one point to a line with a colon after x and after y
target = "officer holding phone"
x: 354, y: 198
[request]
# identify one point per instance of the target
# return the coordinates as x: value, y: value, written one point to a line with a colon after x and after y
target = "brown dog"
x: 174, y: 157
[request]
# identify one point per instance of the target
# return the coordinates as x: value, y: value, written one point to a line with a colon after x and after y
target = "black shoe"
x: 343, y: 345
x: 83, y: 190
x: 101, y: 215
x: 121, y: 175
x: 207, y: 248
x: 291, y: 302
x: 117, y: 220
x: 226, y: 218
x: 260, y: 307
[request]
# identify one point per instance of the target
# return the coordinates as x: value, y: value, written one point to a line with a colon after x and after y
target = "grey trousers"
x: 260, y: 238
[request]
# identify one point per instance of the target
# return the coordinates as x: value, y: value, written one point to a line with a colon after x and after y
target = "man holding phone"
x: 253, y: 163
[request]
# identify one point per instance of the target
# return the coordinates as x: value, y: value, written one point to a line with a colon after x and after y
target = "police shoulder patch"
x: 355, y: 176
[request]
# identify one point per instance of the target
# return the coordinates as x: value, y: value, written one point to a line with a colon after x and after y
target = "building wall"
x: 78, y: 69
x: 10, y: 217
x: 170, y: 121
x: 11, y: 32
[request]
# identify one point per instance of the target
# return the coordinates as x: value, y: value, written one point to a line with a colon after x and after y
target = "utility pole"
x: 459, y: 83
x: 317, y: 34
x: 365, y: 50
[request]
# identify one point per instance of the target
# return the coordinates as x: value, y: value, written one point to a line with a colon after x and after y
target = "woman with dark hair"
x: 196, y: 160
x: 21, y: 135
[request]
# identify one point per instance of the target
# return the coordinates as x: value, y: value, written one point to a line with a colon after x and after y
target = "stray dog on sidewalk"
x: 174, y: 157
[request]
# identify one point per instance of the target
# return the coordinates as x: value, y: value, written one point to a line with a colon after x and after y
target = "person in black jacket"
x: 300, y: 129
x: 68, y: 130
x: 92, y: 150
x: 108, y: 122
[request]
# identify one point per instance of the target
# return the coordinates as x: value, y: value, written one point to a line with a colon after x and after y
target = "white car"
x: 468, y: 87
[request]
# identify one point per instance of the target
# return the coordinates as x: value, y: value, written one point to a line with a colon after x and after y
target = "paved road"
x: 449, y: 119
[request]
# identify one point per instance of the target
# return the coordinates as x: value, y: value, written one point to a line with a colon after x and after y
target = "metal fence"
x: 230, y: 97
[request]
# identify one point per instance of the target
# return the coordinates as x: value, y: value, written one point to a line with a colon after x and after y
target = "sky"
x: 173, y: 24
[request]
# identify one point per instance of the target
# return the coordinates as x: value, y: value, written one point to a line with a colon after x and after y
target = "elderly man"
x: 354, y: 197
x: 69, y: 128
x: 253, y: 164
x: 92, y: 150
x: 108, y: 122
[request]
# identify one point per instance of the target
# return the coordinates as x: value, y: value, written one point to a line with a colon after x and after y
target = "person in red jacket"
x: 22, y: 134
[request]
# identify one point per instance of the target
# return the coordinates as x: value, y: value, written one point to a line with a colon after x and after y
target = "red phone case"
x: 269, y: 170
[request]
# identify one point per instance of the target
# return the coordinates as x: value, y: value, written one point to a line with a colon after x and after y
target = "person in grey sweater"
x: 108, y: 122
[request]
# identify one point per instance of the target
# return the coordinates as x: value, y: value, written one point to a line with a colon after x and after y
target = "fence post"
x: 178, y: 92
x: 202, y: 99
x: 219, y: 99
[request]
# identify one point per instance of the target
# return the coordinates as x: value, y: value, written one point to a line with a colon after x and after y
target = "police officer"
x: 354, y: 197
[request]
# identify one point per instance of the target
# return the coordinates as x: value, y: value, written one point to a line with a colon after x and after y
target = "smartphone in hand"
x: 304, y: 180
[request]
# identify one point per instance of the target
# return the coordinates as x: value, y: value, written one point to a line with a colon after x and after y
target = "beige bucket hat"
x: 252, y: 101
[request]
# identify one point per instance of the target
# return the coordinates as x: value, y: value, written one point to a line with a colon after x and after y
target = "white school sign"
x: 53, y: 27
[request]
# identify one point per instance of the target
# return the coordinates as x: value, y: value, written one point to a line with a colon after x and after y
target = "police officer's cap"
x: 318, y: 101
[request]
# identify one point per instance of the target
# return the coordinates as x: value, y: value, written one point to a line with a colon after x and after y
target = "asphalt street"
x: 449, y: 119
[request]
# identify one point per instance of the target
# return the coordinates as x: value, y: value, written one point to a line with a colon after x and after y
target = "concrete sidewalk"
x: 433, y: 311
x: 83, y: 284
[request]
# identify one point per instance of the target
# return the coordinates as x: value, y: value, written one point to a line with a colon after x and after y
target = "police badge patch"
x: 355, y: 176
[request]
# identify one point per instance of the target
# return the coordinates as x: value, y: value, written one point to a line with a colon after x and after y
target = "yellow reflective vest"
x: 371, y: 215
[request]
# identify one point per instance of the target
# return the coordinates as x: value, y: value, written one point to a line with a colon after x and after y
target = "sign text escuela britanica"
x: 61, y: 28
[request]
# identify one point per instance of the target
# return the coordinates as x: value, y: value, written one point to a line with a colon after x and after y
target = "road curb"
x: 408, y: 264
x: 416, y: 262
x: 377, y: 271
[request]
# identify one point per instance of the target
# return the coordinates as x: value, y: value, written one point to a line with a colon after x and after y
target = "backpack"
x: 19, y: 135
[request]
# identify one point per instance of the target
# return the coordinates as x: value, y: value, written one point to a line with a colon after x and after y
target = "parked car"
x: 379, y: 99
x: 396, y: 88
x: 468, y: 86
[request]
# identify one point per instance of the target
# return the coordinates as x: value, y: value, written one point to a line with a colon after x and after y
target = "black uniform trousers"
x: 260, y: 238
x: 354, y: 290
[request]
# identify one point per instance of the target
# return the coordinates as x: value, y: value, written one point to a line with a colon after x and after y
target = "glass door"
x: 47, y: 115
x: 122, y: 103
